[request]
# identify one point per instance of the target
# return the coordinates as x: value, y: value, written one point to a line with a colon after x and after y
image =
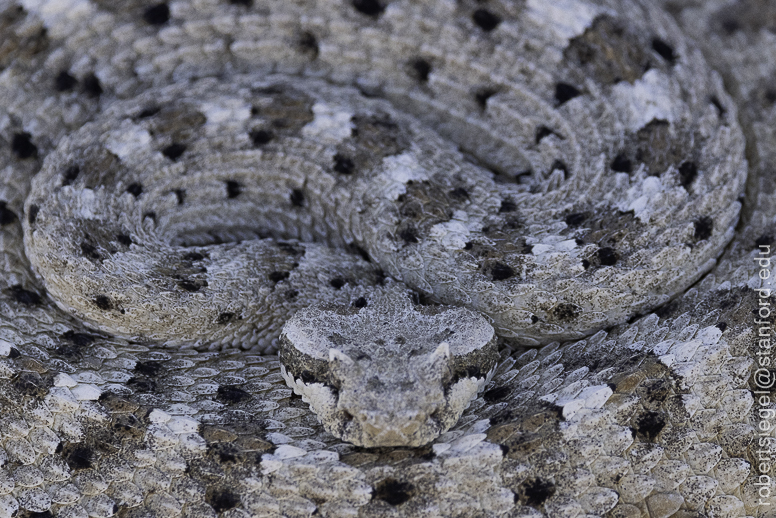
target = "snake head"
x: 390, y: 373
x: 389, y: 402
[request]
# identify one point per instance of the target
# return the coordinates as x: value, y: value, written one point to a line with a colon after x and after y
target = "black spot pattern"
x: 565, y: 312
x: 89, y: 251
x: 64, y: 81
x: 78, y: 339
x: 486, y: 20
x: 148, y: 112
x: 91, y: 85
x: 309, y: 44
x: 343, y: 164
x: 558, y: 165
x: 291, y: 248
x: 622, y: 164
x: 174, y: 151
x: 158, y: 14
x: 649, y: 425
x: 222, y: 500
x: 26, y: 297
x: 103, y: 302
x: 541, y: 132
x: 70, y: 174
x: 764, y: 240
x: 297, y: 198
x: 576, y: 219
x: 32, y: 384
x: 22, y: 146
x: 278, y: 276
x: 78, y: 456
x: 718, y: 105
x: 225, y: 318
x: 607, y: 256
x: 124, y: 239
x: 141, y: 385
x: 409, y: 235
x: 496, y: 394
x: 687, y: 173
x: 191, y: 285
x: 703, y: 228
x: 231, y: 394
x: 135, y: 189
x: 7, y: 216
x: 507, y: 206
x: 564, y: 92
x: 149, y: 368
x: 393, y: 492
x: 459, y: 193
x: 535, y: 491
x: 483, y: 94
x: 420, y: 69
x: 372, y: 8
x: 260, y: 137
x: 33, y: 214
x: 233, y: 189
x: 665, y: 50
x: 500, y: 271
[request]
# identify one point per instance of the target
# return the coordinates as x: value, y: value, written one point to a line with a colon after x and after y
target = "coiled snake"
x: 461, y: 215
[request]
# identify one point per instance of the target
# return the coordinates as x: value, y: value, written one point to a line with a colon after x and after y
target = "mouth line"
x: 377, y: 429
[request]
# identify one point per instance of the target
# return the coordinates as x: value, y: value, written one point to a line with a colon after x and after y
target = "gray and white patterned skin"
x: 119, y: 214
x: 195, y: 173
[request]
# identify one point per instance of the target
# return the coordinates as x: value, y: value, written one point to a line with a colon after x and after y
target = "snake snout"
x: 381, y: 428
x: 407, y: 421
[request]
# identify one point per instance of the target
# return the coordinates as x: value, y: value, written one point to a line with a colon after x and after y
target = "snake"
x: 386, y: 258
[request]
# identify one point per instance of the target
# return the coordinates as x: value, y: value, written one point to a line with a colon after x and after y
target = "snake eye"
x: 471, y: 371
x: 334, y: 385
x: 308, y: 377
